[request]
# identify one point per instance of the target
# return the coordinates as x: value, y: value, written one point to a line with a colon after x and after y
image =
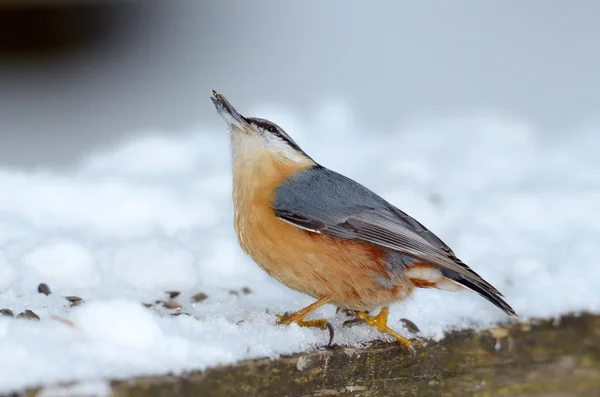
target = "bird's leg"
x: 298, y: 318
x: 380, y: 322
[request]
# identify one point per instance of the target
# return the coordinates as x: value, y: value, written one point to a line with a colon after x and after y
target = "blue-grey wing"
x: 323, y: 201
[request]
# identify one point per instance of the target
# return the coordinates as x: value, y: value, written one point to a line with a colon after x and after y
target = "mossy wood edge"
x: 558, y: 357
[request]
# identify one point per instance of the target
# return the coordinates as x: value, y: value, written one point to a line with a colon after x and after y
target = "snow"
x: 152, y: 215
x: 156, y: 265
x: 64, y: 263
x: 120, y: 324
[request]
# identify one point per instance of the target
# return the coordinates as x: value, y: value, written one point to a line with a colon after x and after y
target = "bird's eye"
x: 271, y: 129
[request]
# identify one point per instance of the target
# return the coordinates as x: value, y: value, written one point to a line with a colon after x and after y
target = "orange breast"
x: 352, y: 274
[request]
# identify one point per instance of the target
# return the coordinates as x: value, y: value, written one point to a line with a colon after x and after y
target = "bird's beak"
x: 228, y: 112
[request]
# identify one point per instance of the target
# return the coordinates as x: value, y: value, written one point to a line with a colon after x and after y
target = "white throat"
x: 246, y: 147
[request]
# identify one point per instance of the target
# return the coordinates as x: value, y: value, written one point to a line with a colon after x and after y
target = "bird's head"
x: 252, y: 136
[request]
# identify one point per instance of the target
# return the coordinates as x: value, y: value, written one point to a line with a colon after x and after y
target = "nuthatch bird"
x: 327, y: 236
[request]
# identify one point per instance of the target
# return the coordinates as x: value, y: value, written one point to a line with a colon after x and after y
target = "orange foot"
x: 380, y: 322
x: 298, y: 318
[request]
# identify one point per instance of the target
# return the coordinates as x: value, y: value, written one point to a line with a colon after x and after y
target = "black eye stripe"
x: 266, y: 126
x: 273, y: 129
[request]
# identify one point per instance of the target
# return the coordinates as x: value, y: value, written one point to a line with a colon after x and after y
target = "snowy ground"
x: 154, y: 215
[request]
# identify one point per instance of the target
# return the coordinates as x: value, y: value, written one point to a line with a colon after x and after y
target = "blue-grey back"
x: 334, y: 194
x: 326, y: 195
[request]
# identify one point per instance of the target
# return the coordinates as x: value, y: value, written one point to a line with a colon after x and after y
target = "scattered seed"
x: 173, y: 294
x: 7, y: 312
x: 233, y: 292
x: 147, y: 305
x: 172, y: 305
x: 75, y: 300
x: 44, y: 289
x: 410, y: 326
x: 353, y: 322
x: 179, y: 314
x: 347, y: 312
x: 28, y: 314
x: 199, y: 297
x: 246, y: 291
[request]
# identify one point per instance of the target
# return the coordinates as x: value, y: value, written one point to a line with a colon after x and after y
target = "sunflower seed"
x: 199, y: 297
x: 172, y: 305
x: 44, y: 289
x: 179, y: 314
x: 7, y: 312
x: 28, y: 314
x: 75, y: 300
x: 410, y: 326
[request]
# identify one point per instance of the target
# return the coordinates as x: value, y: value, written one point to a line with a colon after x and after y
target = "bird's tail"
x: 485, y: 290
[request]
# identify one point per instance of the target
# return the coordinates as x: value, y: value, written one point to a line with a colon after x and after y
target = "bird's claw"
x: 286, y: 319
x: 283, y: 319
x: 331, y: 333
x: 413, y: 355
x: 380, y: 322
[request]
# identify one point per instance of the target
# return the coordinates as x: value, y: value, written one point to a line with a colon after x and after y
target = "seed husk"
x: 75, y: 300
x: 171, y: 304
x: 7, y: 312
x: 410, y: 326
x: 44, y: 289
x: 199, y: 297
x: 29, y: 314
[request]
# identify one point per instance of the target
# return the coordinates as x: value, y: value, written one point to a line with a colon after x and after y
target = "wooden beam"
x: 542, y: 358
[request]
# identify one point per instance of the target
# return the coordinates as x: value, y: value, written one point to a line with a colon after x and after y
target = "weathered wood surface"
x: 542, y: 358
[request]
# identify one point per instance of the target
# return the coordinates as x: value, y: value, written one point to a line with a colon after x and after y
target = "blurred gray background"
x: 81, y: 76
